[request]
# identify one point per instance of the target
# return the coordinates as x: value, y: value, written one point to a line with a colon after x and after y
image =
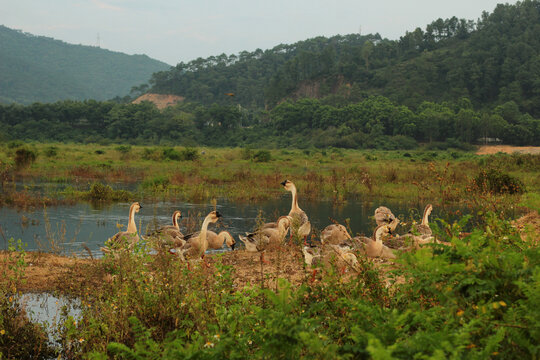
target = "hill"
x: 41, y: 69
x: 490, y: 61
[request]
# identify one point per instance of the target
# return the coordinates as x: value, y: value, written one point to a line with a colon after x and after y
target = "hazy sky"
x: 181, y: 30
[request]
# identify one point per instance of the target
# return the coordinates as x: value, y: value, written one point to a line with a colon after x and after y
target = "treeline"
x: 491, y: 61
x: 375, y: 122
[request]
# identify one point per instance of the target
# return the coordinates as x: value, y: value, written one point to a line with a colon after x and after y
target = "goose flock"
x: 335, y: 240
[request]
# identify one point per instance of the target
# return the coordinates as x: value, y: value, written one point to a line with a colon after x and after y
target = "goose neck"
x: 132, y: 227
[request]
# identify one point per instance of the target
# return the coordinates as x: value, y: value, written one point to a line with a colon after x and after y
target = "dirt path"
x: 493, y: 149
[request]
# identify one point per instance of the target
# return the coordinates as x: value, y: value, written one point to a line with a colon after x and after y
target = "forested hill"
x: 491, y: 61
x: 41, y: 69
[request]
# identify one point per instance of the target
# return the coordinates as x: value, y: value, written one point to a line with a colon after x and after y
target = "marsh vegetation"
x: 475, y: 298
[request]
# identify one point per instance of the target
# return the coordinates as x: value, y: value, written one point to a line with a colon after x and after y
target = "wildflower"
x: 81, y: 340
x: 216, y: 337
x: 209, y: 344
x: 2, y: 332
x: 250, y: 342
x: 460, y: 312
x: 502, y: 303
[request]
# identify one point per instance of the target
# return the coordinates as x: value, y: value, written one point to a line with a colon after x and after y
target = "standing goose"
x: 121, y: 238
x: 259, y: 240
x: 171, y: 234
x: 215, y: 241
x: 374, y: 247
x: 384, y: 216
x: 196, y: 246
x: 300, y: 223
x: 334, y: 234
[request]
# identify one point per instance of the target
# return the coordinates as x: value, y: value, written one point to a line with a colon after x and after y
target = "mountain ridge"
x: 36, y: 68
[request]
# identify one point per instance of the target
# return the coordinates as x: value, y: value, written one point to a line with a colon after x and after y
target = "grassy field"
x: 246, y: 174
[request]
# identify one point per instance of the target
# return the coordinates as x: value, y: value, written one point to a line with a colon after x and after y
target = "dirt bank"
x: 48, y: 272
x: 161, y: 101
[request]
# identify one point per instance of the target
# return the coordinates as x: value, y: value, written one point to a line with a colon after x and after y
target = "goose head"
x: 136, y: 206
x: 229, y: 240
x: 288, y: 185
x: 214, y: 216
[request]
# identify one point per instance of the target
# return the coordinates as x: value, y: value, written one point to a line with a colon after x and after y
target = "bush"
x: 262, y: 156
x: 102, y: 192
x: 171, y: 154
x: 497, y: 182
x: 51, y: 151
x: 24, y: 157
x: 189, y: 154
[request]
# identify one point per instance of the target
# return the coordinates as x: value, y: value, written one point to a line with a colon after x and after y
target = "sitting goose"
x: 384, y: 216
x: 334, y: 234
x: 215, y: 241
x: 259, y: 240
x: 123, y: 238
x: 196, y: 246
x: 423, y: 228
x: 374, y: 247
x: 300, y: 224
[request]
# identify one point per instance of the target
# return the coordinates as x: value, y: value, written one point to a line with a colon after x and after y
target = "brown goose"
x: 334, y: 234
x: 259, y: 240
x: 196, y: 246
x: 384, y: 216
x: 123, y: 238
x: 374, y: 247
x: 300, y: 224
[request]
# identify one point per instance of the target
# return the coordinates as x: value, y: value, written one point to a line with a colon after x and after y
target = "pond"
x: 69, y: 229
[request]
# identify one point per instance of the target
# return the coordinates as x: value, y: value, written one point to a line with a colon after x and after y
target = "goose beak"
x: 218, y: 214
x: 232, y: 246
x: 284, y: 182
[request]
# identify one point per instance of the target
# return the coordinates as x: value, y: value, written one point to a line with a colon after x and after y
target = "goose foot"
x: 313, y: 274
x: 264, y: 260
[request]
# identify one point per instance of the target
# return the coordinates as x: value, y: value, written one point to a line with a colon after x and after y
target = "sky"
x: 176, y: 31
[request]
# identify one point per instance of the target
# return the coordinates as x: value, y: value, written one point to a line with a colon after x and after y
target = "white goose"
x: 300, y: 224
x: 123, y: 238
x: 195, y: 247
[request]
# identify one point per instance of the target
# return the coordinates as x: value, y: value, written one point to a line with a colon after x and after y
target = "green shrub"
x: 262, y: 156
x: 496, y: 182
x: 24, y: 157
x: 189, y: 154
x: 171, y: 154
x: 51, y: 151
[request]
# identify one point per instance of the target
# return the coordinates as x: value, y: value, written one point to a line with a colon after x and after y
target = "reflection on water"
x: 65, y: 229
x: 48, y: 309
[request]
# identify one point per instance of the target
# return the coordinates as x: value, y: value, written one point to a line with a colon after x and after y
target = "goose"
x: 384, y: 216
x: 129, y: 236
x: 334, y: 234
x: 345, y: 255
x: 195, y: 247
x: 259, y: 240
x: 374, y: 247
x: 215, y: 241
x: 423, y: 228
x: 171, y: 234
x: 312, y: 255
x: 300, y: 223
